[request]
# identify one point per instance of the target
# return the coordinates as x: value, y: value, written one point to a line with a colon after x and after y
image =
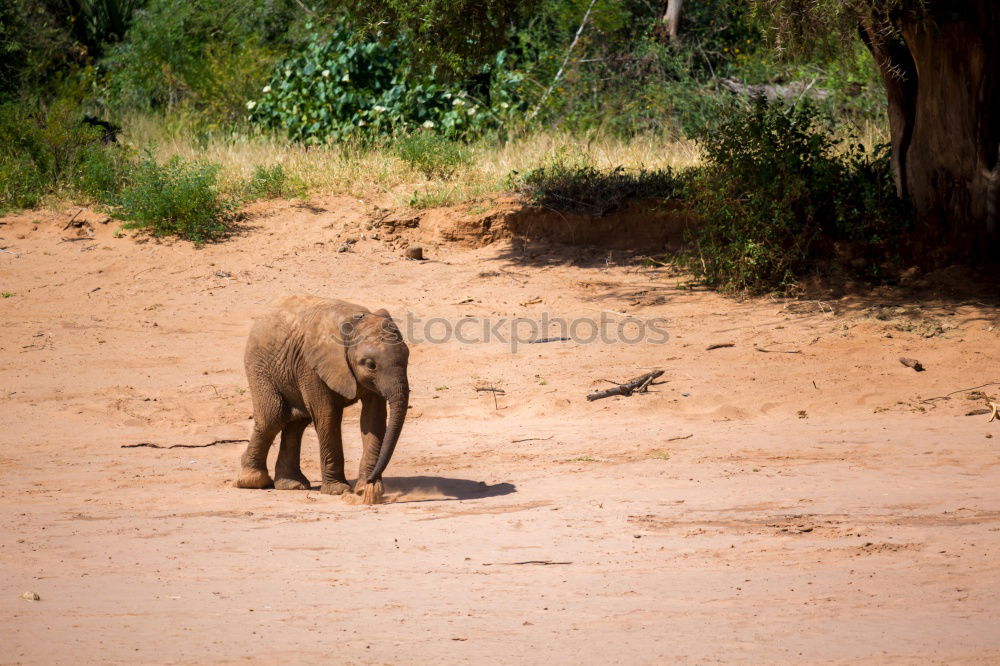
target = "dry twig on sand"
x: 73, y: 219
x: 494, y: 390
x: 946, y: 396
x: 637, y: 385
x: 542, y: 563
x: 151, y: 445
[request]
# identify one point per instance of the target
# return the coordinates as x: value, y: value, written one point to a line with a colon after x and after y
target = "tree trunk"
x: 942, y: 81
x: 670, y: 20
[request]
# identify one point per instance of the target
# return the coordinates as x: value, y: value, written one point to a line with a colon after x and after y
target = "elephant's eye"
x: 369, y: 363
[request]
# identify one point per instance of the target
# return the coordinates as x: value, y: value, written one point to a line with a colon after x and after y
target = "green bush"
x: 41, y: 150
x: 432, y: 154
x: 776, y: 201
x: 176, y: 198
x: 103, y: 171
x: 200, y: 55
x: 582, y: 188
x: 336, y: 87
x: 271, y: 182
x: 22, y: 185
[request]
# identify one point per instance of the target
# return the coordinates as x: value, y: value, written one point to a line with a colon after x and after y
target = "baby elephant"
x: 307, y: 360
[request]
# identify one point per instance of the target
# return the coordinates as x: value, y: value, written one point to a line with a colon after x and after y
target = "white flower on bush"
x: 471, y: 111
x: 428, y: 124
x: 326, y: 73
x: 266, y: 89
x: 250, y: 105
x: 504, y: 105
x: 458, y: 102
x: 346, y: 78
x: 361, y: 123
x: 288, y: 73
x: 378, y: 108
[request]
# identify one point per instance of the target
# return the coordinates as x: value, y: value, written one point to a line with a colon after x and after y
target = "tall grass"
x: 383, y: 170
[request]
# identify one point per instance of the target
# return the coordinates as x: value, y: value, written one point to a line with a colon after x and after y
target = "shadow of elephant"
x: 401, y: 489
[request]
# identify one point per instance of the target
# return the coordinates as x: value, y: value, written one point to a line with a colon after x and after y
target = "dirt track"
x: 756, y: 507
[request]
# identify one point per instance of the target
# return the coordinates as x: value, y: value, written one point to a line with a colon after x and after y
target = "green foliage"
x: 271, y: 182
x: 432, y: 154
x: 777, y: 201
x: 40, y: 151
x: 622, y: 77
x: 96, y: 23
x: 197, y: 54
x: 436, y: 196
x: 177, y: 198
x: 462, y: 35
x: 407, y: 61
x: 35, y: 46
x: 824, y: 26
x: 51, y: 152
x: 335, y: 88
x: 582, y: 188
x: 21, y: 183
x: 103, y: 171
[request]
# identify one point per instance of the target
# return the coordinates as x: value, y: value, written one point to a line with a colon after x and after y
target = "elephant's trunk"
x: 397, y: 415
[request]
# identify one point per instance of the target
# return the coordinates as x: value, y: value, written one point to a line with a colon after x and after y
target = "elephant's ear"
x: 328, y: 330
x: 388, y: 325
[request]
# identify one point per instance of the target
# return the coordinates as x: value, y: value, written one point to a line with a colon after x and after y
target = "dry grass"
x: 376, y: 172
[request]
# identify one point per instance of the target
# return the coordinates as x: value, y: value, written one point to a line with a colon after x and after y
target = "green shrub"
x: 200, y: 55
x: 41, y: 151
x: 177, y: 198
x: 582, y: 188
x: 103, y: 171
x: 776, y: 201
x: 432, y: 154
x: 271, y: 183
x: 335, y: 88
x: 22, y: 185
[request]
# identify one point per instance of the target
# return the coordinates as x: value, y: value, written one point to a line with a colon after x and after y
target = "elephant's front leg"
x: 331, y: 450
x: 373, y: 414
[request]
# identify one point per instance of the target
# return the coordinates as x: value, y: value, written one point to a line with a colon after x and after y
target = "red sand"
x: 756, y: 507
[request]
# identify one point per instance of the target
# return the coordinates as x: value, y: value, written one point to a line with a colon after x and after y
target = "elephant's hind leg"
x: 287, y: 472
x: 267, y: 422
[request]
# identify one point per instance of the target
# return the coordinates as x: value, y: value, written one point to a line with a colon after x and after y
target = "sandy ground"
x: 756, y: 507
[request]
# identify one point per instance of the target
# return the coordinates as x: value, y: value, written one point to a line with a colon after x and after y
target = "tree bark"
x: 942, y: 79
x: 672, y: 18
x: 669, y: 22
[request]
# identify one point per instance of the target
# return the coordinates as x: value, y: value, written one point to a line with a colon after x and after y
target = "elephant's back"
x: 296, y: 306
x: 273, y: 333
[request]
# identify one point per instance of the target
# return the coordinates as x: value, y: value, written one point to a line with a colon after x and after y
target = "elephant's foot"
x: 253, y: 478
x: 334, y: 488
x: 291, y: 481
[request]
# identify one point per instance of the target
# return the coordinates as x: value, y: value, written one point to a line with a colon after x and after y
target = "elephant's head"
x: 378, y: 357
x: 356, y: 353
